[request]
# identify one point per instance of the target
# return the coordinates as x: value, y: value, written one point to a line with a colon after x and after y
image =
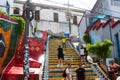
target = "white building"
x: 54, y: 18
x: 107, y: 7
x: 83, y: 24
x: 7, y: 6
x: 103, y: 10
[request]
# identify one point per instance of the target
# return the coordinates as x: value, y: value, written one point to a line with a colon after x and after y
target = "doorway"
x: 117, y: 44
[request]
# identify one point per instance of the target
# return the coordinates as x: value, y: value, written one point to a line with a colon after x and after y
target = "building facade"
x: 7, y: 6
x: 100, y: 21
x: 54, y: 19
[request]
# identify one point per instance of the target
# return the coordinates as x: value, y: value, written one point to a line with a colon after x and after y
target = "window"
x: 37, y: 15
x: 16, y: 10
x: 115, y: 2
x: 55, y: 17
x: 117, y: 43
x: 75, y: 20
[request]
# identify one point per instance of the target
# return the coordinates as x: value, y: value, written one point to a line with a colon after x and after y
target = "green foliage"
x: 2, y: 12
x: 102, y: 50
x: 86, y: 38
x: 35, y: 29
x: 21, y: 24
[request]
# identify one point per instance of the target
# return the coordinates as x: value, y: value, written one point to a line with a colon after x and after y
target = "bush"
x: 87, y: 38
x: 102, y: 50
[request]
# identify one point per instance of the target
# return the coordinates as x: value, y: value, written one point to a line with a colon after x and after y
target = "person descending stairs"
x: 55, y: 73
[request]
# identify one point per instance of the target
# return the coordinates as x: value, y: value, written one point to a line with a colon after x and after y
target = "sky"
x: 81, y: 4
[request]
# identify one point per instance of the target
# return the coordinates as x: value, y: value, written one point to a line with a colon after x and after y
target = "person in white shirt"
x: 82, y: 52
x: 69, y: 72
x: 118, y: 78
x: 118, y: 74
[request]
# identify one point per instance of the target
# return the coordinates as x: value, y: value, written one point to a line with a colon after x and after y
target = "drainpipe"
x: 111, y: 36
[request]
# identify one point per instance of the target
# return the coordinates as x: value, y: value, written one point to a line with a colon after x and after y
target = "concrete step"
x: 74, y: 74
x: 61, y: 78
x: 72, y: 63
x: 68, y: 55
x: 66, y: 60
x: 55, y: 73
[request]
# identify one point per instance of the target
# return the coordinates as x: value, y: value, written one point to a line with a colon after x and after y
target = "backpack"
x: 64, y: 73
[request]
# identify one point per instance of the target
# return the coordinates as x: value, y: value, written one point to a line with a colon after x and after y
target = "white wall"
x: 105, y: 7
x: 111, y: 9
x: 47, y: 22
x: 11, y: 6
x: 83, y: 25
x: 3, y: 3
x: 82, y: 28
x: 101, y: 34
x: 94, y: 36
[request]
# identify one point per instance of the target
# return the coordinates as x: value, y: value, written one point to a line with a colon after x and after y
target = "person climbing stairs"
x: 55, y: 73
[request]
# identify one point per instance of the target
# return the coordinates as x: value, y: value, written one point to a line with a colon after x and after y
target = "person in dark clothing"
x: 60, y: 56
x: 80, y: 72
x: 86, y: 54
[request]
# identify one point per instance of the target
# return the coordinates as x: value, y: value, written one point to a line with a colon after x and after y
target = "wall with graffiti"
x: 8, y: 38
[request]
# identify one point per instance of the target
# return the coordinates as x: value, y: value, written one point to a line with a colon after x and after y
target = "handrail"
x: 72, y: 46
x: 101, y: 71
x: 46, y: 64
x: 91, y: 62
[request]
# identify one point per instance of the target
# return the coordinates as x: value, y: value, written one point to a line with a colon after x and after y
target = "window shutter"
x: 37, y: 15
x: 55, y: 17
x: 16, y: 10
x: 75, y: 20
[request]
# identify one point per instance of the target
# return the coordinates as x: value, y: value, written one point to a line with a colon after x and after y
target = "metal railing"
x: 99, y: 71
x: 46, y: 64
x: 94, y: 66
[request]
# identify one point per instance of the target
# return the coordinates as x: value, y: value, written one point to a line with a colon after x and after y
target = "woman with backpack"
x: 68, y: 72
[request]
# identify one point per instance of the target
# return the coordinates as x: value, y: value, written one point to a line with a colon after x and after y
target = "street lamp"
x: 69, y: 17
x: 27, y: 17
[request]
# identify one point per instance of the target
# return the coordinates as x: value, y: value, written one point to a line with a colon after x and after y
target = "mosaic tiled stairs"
x: 55, y: 73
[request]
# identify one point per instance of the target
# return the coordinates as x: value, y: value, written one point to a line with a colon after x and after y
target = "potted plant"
x: 102, y: 50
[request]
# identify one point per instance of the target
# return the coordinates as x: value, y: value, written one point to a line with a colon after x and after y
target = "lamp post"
x: 69, y: 25
x: 26, y: 48
x: 68, y: 17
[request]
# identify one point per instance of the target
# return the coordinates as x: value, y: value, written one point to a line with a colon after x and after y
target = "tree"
x: 86, y: 38
x: 102, y: 50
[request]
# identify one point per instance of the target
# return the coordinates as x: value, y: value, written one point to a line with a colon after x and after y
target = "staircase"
x: 55, y: 73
